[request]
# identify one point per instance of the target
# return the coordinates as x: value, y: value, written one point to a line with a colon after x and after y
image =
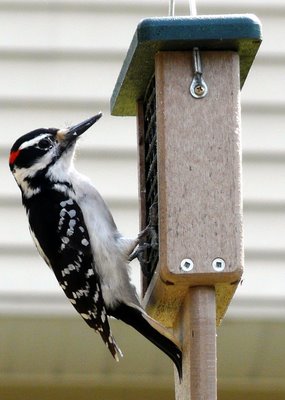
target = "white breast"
x: 108, y: 246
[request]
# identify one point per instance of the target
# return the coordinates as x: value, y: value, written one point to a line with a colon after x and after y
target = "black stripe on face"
x: 31, y: 147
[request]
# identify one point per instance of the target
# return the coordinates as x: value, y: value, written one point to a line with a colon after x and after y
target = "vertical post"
x: 197, y: 328
x: 198, y: 175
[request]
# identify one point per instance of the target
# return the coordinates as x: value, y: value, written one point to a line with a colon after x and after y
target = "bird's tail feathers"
x: 111, y: 345
x: 152, y: 330
x: 161, y: 329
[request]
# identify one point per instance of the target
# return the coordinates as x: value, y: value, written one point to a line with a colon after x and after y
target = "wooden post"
x: 199, y: 194
x: 197, y: 329
x: 198, y: 168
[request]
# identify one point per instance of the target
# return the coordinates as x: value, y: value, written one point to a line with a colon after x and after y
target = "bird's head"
x: 36, y: 153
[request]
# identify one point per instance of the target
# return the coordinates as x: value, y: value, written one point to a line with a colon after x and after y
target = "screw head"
x: 218, y: 264
x: 199, y: 90
x: 186, y: 265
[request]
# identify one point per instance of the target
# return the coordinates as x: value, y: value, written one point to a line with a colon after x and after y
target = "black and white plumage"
x: 75, y: 233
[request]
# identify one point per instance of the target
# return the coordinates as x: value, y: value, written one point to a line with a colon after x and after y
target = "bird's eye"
x: 45, y: 144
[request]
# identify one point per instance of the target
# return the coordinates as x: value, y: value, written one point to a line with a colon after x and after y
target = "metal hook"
x: 198, y: 87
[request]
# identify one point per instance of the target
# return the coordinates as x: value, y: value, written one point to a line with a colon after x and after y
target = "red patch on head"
x: 13, y: 156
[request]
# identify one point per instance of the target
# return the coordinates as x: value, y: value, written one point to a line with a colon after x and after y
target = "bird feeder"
x: 182, y: 78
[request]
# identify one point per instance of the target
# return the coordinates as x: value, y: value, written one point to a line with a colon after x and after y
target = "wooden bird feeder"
x: 182, y: 78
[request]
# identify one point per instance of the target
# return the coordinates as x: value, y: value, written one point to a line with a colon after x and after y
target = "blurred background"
x: 59, y: 60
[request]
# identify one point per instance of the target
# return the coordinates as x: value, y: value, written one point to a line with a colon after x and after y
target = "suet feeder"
x: 182, y: 78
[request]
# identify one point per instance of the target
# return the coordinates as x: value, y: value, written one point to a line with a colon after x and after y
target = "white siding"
x: 59, y: 62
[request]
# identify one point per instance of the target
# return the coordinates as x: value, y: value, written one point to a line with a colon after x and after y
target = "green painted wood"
x: 241, y: 33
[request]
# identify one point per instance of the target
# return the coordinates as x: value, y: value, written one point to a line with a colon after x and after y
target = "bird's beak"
x: 72, y: 133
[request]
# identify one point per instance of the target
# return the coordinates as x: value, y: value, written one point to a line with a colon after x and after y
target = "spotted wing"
x: 63, y: 241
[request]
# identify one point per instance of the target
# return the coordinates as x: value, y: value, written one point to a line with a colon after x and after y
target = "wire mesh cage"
x: 149, y: 259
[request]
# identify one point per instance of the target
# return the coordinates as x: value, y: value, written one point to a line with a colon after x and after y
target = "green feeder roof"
x: 241, y: 33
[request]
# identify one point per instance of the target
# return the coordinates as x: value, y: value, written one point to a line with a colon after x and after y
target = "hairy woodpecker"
x: 75, y: 234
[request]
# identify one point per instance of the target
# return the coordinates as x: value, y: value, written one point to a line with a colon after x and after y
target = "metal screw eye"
x: 198, y: 87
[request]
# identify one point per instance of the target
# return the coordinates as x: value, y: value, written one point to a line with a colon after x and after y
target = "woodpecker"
x: 77, y: 237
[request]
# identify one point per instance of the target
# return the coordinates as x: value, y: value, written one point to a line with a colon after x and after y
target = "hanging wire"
x: 198, y: 87
x: 171, y: 8
x: 192, y: 8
